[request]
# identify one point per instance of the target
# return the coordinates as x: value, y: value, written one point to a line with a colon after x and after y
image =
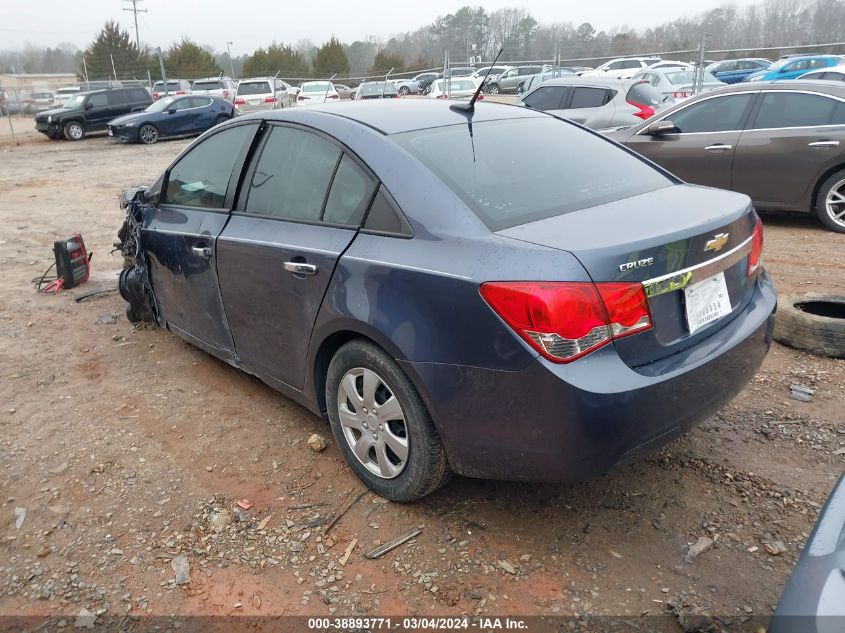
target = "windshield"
x: 161, y: 105
x: 378, y: 88
x: 316, y: 87
x: 254, y: 88
x: 206, y: 85
x: 75, y: 101
x: 575, y: 170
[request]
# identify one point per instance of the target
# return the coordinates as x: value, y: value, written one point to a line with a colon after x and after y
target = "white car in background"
x: 261, y: 93
x: 292, y: 90
x: 622, y: 67
x: 454, y: 88
x: 222, y: 87
x: 65, y: 93
x: 312, y: 92
x: 834, y: 73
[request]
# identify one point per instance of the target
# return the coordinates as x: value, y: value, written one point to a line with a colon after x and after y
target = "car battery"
x: 73, y: 263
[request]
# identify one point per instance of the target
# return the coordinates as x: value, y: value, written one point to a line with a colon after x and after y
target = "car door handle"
x: 298, y: 268
x: 823, y: 144
x: 201, y: 251
x: 718, y: 147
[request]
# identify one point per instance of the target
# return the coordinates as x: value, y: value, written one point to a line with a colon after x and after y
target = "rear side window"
x: 350, y: 194
x: 254, y: 88
x: 589, y: 98
x: 575, y: 169
x: 118, y: 97
x: 793, y: 109
x: 384, y: 217
x: 201, y: 177
x: 138, y: 94
x: 292, y: 175
x: 546, y: 98
x: 719, y: 114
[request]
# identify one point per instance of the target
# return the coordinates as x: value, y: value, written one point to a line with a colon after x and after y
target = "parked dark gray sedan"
x: 782, y: 143
x: 450, y: 306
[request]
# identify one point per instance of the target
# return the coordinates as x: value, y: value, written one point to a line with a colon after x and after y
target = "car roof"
x: 394, y: 116
x: 569, y: 80
x: 830, y: 69
x: 833, y: 88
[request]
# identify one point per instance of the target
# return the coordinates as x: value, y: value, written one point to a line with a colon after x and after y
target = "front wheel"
x: 830, y: 203
x: 404, y: 91
x: 493, y: 89
x: 148, y: 134
x: 381, y: 425
x: 74, y: 131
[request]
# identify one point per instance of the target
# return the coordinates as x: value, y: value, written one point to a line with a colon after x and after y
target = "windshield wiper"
x: 470, y: 107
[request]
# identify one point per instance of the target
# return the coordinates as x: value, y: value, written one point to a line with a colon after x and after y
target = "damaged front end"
x: 134, y: 282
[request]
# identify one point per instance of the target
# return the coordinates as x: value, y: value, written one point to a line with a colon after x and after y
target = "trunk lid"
x: 667, y: 239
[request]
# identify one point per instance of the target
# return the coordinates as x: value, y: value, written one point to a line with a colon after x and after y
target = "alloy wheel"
x: 835, y: 203
x: 373, y: 422
x: 148, y: 134
x: 404, y: 91
x: 75, y: 131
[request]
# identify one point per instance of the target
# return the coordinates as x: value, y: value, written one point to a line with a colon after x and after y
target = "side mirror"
x: 88, y: 106
x: 171, y: 111
x: 658, y: 128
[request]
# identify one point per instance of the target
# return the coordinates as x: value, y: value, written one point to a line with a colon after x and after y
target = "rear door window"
x: 793, y: 109
x: 719, y: 114
x: 546, y: 98
x: 575, y: 170
x: 118, y: 97
x: 292, y: 175
x: 589, y: 98
x: 201, y: 177
x: 350, y: 194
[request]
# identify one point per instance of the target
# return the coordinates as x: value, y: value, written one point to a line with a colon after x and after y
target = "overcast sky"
x: 252, y: 23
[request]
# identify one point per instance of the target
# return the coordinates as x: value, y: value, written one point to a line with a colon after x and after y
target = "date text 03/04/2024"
x: 418, y: 623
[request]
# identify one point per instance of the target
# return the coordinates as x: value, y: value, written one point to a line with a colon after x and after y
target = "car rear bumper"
x: 813, y: 599
x: 553, y: 422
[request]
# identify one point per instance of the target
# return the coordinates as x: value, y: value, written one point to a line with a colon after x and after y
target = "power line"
x: 135, y: 10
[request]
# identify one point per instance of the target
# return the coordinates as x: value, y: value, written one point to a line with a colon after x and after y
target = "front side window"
x: 793, y: 109
x: 292, y: 175
x: 201, y: 177
x: 575, y: 170
x: 728, y: 67
x: 719, y: 114
x: 98, y: 100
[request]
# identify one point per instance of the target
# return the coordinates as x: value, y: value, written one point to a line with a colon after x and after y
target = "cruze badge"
x: 639, y: 263
x: 716, y: 244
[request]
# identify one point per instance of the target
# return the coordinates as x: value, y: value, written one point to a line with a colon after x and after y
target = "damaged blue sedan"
x: 172, y: 117
x: 473, y: 289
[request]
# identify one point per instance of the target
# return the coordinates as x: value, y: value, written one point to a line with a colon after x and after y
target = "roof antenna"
x: 470, y: 107
x: 384, y: 86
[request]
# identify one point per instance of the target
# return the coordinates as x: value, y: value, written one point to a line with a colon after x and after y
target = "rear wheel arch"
x: 814, y: 198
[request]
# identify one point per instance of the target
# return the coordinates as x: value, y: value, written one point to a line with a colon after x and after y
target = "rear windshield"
x: 171, y: 85
x: 254, y: 88
x: 644, y: 93
x: 315, y: 87
x: 576, y: 169
x: 456, y: 84
x: 206, y: 85
x: 378, y: 88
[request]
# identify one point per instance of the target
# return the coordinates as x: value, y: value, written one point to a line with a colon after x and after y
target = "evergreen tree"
x: 384, y: 61
x: 113, y: 43
x: 331, y: 59
x: 187, y: 60
x: 276, y: 58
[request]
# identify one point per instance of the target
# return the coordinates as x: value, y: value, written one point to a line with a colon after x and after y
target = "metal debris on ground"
x: 345, y: 510
x: 801, y: 392
x: 381, y: 550
x: 305, y: 506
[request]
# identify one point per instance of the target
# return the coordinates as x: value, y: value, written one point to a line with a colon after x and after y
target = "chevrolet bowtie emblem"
x: 718, y: 241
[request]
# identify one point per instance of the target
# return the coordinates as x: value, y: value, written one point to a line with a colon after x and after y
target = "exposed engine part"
x: 134, y: 282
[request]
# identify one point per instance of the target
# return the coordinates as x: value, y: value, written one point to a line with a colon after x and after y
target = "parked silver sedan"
x: 596, y: 102
x: 678, y: 83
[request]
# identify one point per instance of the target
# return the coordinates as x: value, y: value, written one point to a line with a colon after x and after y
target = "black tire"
x: 74, y: 131
x: 425, y: 469
x: 826, y: 212
x: 221, y: 119
x: 493, y: 89
x: 404, y: 91
x: 815, y: 333
x: 148, y: 134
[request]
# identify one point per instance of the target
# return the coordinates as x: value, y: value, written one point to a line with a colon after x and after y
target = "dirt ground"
x: 129, y: 448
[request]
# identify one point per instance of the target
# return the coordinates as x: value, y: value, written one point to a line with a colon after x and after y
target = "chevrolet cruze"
x: 489, y: 291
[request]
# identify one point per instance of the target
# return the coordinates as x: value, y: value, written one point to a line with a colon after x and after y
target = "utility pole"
x: 231, y: 64
x: 163, y: 74
x: 135, y: 10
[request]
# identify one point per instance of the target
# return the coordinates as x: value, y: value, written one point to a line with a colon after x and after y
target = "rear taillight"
x: 440, y: 96
x: 181, y: 92
x: 480, y: 97
x: 645, y: 111
x: 225, y: 94
x: 682, y: 94
x: 240, y: 101
x: 755, y: 257
x: 301, y: 98
x: 567, y: 320
x: 155, y: 96
x: 269, y: 99
x: 333, y: 97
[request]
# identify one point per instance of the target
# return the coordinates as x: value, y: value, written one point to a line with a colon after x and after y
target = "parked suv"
x: 175, y: 88
x: 597, y: 102
x: 90, y: 112
x: 261, y: 93
x: 509, y: 80
x: 222, y: 87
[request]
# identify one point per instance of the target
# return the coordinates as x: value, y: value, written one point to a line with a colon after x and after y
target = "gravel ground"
x: 129, y: 450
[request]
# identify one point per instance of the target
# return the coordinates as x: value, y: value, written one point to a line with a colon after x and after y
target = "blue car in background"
x: 794, y: 67
x: 172, y: 116
x: 733, y: 71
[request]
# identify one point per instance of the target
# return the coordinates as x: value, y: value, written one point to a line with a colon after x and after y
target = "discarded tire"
x: 812, y: 322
